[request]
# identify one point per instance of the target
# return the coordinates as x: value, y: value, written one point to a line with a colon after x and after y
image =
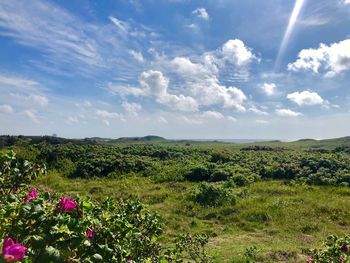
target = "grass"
x: 282, y: 221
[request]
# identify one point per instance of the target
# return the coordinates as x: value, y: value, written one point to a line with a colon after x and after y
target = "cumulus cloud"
x: 287, y: 113
x: 236, y: 52
x: 269, y: 88
x: 330, y: 60
x: 201, y: 13
x: 195, y: 81
x: 347, y: 2
x: 154, y: 83
x: 7, y: 109
x: 305, y: 98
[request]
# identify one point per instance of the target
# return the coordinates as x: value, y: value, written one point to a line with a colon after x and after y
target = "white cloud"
x: 287, y: 113
x: 201, y: 13
x: 236, y: 52
x: 347, y: 2
x: 269, y: 88
x: 305, y: 98
x: 19, y: 83
x: 131, y: 108
x: 213, y: 115
x: 195, y: 81
x: 332, y: 60
x: 136, y: 55
x: 230, y: 118
x: 42, y: 101
x: 262, y: 121
x: 7, y: 109
x: 31, y: 114
x: 258, y: 111
x: 155, y: 84
x: 123, y: 26
x: 107, y: 115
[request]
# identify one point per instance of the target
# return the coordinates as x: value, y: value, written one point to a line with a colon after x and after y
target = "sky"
x: 181, y: 69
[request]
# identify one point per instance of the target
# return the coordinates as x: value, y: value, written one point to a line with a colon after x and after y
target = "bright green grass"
x: 281, y: 221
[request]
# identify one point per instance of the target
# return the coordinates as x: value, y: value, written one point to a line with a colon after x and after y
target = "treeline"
x: 198, y: 164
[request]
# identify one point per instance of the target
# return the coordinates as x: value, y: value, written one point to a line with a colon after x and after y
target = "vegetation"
x: 266, y: 202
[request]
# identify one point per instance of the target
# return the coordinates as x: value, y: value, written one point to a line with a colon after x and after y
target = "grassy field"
x: 281, y: 220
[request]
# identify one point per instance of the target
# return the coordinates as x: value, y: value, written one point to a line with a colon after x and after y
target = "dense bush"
x: 334, y: 250
x: 210, y: 194
x: 63, y: 229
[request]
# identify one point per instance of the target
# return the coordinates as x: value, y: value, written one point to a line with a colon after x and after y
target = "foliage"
x: 334, y: 249
x: 14, y: 173
x: 195, y: 164
x: 210, y: 194
x: 118, y: 231
x: 189, y: 248
x: 251, y: 254
x: 38, y: 225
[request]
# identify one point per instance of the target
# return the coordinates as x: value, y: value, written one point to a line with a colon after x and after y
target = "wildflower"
x: 12, y: 251
x: 90, y: 233
x: 66, y: 204
x: 309, y: 259
x: 32, y: 195
x: 344, y: 248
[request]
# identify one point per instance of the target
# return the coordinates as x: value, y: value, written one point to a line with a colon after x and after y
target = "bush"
x: 334, y: 249
x: 189, y: 248
x: 61, y: 229
x: 209, y: 194
x: 198, y: 173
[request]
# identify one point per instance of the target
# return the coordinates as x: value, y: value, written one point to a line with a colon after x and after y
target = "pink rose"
x: 67, y: 205
x: 12, y: 251
x: 32, y: 195
x: 309, y: 259
x: 90, y: 233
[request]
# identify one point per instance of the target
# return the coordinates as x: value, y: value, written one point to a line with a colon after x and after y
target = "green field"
x: 288, y: 197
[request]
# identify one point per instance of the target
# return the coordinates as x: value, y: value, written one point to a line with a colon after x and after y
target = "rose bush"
x: 37, y: 225
x: 63, y: 229
x: 334, y: 249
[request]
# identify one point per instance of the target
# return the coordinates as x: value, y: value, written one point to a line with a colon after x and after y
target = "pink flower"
x: 309, y: 259
x: 66, y: 204
x: 90, y: 233
x: 12, y: 251
x: 32, y: 195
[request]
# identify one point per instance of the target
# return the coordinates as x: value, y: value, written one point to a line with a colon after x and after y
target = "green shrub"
x: 209, y: 194
x: 109, y: 231
x: 334, y: 250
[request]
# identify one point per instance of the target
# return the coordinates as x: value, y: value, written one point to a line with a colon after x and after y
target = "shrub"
x: 60, y: 229
x: 189, y: 248
x: 15, y: 174
x: 209, y: 194
x: 334, y: 249
x: 198, y: 173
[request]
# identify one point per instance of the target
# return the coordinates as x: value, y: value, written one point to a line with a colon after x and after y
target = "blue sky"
x: 273, y: 69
